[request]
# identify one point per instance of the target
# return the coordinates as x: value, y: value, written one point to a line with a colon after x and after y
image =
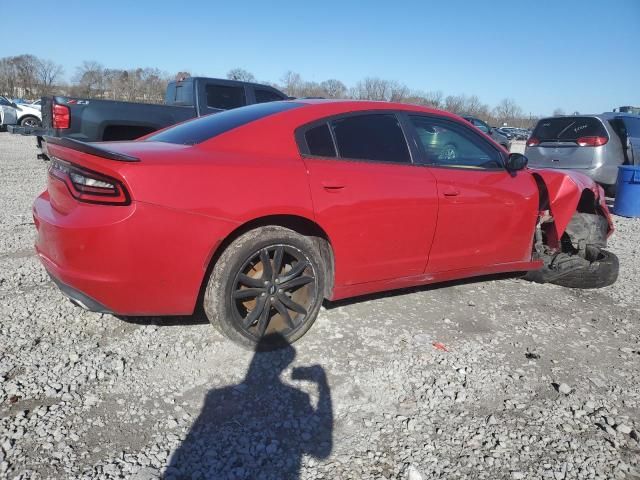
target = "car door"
x: 8, y: 113
x: 378, y: 209
x: 633, y: 139
x: 486, y: 215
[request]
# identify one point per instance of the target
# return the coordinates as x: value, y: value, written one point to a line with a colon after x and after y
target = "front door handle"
x: 451, y: 192
x: 332, y: 185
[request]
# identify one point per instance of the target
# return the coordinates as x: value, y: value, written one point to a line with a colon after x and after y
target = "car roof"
x: 338, y: 106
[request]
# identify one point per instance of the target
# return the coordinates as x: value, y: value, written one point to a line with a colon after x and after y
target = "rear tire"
x: 266, y: 289
x: 601, y: 270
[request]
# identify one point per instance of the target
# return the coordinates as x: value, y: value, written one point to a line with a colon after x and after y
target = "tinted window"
x: 267, y: 96
x: 568, y: 129
x: 448, y: 144
x: 204, y: 128
x: 633, y: 126
x: 481, y: 125
x: 180, y: 93
x: 4, y: 101
x: 320, y: 142
x: 371, y: 137
x: 226, y: 98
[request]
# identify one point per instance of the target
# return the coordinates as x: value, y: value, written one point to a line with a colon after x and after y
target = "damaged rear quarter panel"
x: 565, y: 189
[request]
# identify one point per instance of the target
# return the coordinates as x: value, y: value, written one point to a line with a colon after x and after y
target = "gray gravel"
x: 524, y: 381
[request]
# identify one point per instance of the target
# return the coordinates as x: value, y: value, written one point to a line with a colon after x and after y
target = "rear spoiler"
x: 90, y: 148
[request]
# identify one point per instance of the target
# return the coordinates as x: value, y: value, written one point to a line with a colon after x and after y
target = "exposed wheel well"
x: 588, y: 203
x: 298, y: 224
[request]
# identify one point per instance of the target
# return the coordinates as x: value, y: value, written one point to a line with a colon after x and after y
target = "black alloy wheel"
x: 273, y: 291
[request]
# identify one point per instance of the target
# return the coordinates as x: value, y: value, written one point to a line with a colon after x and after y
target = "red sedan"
x: 262, y: 212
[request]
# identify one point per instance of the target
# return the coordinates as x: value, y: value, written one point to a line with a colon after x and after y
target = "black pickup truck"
x: 93, y: 120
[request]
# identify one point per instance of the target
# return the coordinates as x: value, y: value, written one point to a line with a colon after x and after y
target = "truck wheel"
x: 30, y: 121
x: 599, y: 269
x: 267, y: 284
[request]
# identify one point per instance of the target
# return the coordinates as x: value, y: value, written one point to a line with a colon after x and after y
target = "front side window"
x: 225, y: 97
x: 448, y: 144
x: 377, y: 137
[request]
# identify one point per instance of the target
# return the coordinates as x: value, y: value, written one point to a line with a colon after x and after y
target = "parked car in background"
x: 494, y: 133
x: 19, y: 114
x: 271, y: 208
x: 592, y: 144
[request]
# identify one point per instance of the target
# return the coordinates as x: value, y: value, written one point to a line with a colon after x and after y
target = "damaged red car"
x: 260, y: 213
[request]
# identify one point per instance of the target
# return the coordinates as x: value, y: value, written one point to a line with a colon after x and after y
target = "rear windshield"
x: 203, y: 128
x: 568, y: 129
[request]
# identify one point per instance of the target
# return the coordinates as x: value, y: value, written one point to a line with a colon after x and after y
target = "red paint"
x: 390, y: 226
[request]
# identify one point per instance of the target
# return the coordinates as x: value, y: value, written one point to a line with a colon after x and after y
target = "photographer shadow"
x: 260, y: 428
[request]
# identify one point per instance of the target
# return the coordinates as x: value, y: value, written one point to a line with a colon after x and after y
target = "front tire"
x: 267, y: 286
x: 30, y: 121
x: 598, y: 270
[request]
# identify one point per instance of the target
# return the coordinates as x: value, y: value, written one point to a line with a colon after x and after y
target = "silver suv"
x: 592, y: 144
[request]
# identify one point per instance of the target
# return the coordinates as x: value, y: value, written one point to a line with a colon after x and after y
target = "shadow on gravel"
x: 260, y: 428
x: 422, y: 288
x: 172, y: 321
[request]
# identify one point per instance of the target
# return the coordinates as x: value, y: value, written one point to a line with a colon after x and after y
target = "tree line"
x: 28, y: 76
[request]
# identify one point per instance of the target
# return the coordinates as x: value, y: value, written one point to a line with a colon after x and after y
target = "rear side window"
x: 320, y: 142
x: 225, y: 97
x: 568, y: 129
x: 204, y: 128
x: 263, y: 96
x: 371, y: 137
x: 633, y: 127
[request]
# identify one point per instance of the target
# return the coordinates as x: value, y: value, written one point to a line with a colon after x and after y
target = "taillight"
x: 88, y: 186
x: 61, y: 116
x: 592, y: 141
x: 532, y: 142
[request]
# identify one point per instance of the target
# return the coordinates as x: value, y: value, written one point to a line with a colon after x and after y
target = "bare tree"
x: 374, y: 88
x: 333, y: 88
x: 48, y: 73
x: 90, y: 78
x: 240, y: 74
x: 507, y: 111
x: 454, y: 104
x: 292, y: 84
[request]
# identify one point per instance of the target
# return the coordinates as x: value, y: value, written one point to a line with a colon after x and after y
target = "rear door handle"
x: 451, y: 192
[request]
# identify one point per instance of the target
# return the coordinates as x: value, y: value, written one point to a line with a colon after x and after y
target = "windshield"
x: 204, y: 128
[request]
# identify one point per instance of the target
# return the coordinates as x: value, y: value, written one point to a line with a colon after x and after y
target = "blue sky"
x: 576, y: 55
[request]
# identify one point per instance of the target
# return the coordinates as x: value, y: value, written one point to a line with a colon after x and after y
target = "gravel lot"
x: 529, y: 381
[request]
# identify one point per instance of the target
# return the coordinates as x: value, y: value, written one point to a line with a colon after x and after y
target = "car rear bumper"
x: 79, y: 298
x: 139, y: 259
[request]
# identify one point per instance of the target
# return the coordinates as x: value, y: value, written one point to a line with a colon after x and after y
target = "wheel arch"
x: 302, y: 225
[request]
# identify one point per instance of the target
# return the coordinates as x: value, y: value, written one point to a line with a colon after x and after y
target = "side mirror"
x: 516, y: 161
x: 489, y: 130
x: 14, y: 105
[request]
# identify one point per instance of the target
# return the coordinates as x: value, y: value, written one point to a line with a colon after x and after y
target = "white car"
x: 19, y: 114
